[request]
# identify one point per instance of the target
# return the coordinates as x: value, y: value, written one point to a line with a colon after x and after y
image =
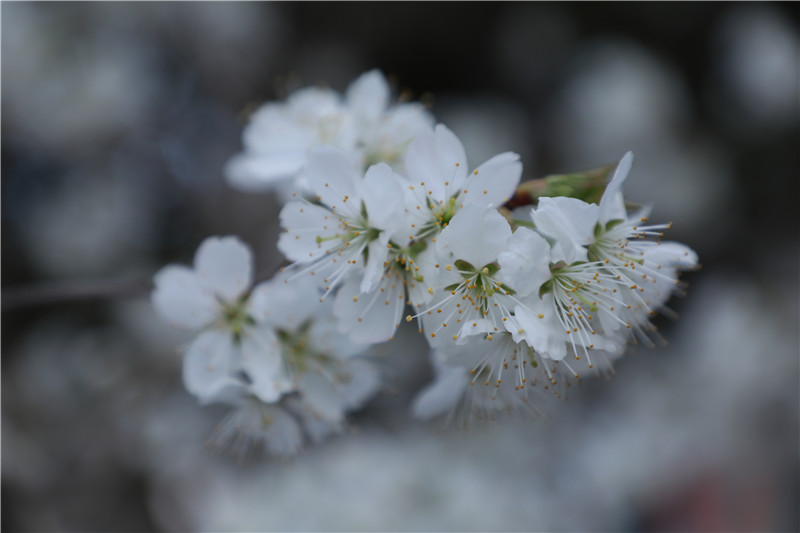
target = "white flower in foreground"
x: 349, y: 229
x: 610, y: 273
x: 281, y: 136
x: 485, y: 271
x: 319, y: 361
x: 212, y: 298
x: 371, y: 313
x: 470, y: 296
x: 440, y: 183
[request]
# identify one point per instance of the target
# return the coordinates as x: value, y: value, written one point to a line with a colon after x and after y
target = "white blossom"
x: 281, y: 136
x: 272, y: 352
x: 439, y: 182
x: 610, y: 273
x: 348, y: 230
x: 212, y: 298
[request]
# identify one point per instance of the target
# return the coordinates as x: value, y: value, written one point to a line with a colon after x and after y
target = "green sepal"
x: 509, y: 290
x: 464, y: 266
x: 546, y: 287
x: 493, y: 268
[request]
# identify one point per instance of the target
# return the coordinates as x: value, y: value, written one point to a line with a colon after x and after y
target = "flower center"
x: 296, y: 350
x: 479, y: 284
x: 235, y: 318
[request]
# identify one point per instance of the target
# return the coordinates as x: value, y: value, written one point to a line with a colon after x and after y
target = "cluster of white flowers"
x: 387, y: 213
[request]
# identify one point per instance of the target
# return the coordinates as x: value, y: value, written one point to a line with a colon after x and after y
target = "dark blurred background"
x: 117, y: 119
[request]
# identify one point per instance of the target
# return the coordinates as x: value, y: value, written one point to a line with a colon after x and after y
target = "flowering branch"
x: 53, y: 292
x: 587, y: 185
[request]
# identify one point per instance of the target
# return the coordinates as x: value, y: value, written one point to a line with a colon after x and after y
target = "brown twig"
x: 55, y: 292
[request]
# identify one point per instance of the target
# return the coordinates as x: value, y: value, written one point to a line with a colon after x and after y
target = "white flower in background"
x: 273, y: 352
x: 320, y: 362
x: 212, y: 298
x: 281, y: 136
x: 327, y: 378
x: 349, y: 229
x: 253, y: 425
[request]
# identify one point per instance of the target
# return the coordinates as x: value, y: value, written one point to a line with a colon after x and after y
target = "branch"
x: 54, y: 292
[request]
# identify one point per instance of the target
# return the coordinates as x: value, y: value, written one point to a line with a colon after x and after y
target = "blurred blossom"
x: 89, y: 226
x: 68, y: 93
x: 617, y: 97
x: 758, y: 68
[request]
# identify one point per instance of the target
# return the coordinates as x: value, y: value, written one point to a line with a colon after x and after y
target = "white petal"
x: 418, y: 293
x: 441, y: 396
x: 282, y: 435
x: 259, y: 172
x: 321, y: 397
x: 671, y: 254
x: 207, y: 365
x: 368, y: 95
x: 334, y: 177
x: 376, y: 259
x: 525, y: 264
x: 382, y: 195
x: 396, y: 129
x: 311, y: 103
x: 540, y: 326
x: 285, y: 303
x: 494, y: 182
x: 369, y: 318
x: 315, y: 428
x: 308, y: 229
x: 436, y: 158
x: 273, y: 130
x: 225, y: 265
x: 325, y: 337
x: 361, y: 381
x: 570, y: 222
x: 612, y: 205
x: 181, y: 298
x: 262, y: 361
x: 476, y: 234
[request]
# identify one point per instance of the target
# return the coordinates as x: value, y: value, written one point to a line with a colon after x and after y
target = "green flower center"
x: 235, y: 318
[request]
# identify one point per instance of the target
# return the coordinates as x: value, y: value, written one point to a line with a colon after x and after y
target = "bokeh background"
x: 117, y: 119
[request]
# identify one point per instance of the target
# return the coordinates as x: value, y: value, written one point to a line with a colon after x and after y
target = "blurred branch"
x: 47, y: 293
